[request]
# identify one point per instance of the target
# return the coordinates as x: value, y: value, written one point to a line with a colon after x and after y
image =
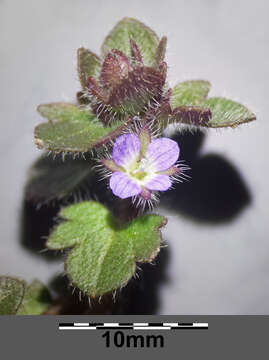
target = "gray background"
x: 212, y: 269
x: 244, y: 337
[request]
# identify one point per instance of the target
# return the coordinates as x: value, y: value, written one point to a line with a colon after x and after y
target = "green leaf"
x: 227, y: 113
x: 72, y: 129
x: 103, y: 253
x: 126, y: 29
x: 51, y: 179
x: 89, y: 64
x: 145, y: 234
x: 36, y: 299
x: 11, y: 295
x: 190, y: 105
x: 193, y: 92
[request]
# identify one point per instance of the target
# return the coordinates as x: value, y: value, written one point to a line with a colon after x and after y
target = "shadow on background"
x: 216, y: 191
x: 36, y: 224
x: 52, y: 184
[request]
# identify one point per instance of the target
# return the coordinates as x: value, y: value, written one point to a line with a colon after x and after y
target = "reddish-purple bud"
x: 136, y: 54
x: 96, y: 90
x: 125, y: 86
x: 115, y: 69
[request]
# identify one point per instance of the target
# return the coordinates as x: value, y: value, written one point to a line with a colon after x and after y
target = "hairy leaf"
x: 227, y: 113
x: 89, y: 64
x: 51, y: 179
x: 126, y: 29
x: 190, y: 105
x: 103, y: 253
x: 72, y: 129
x: 36, y: 299
x: 11, y: 295
x: 192, y: 92
x: 192, y: 115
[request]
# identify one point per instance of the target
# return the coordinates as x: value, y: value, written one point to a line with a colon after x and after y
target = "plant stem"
x: 126, y: 210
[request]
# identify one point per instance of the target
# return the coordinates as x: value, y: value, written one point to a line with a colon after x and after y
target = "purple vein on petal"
x: 126, y: 148
x: 163, y: 153
x: 122, y: 186
x: 159, y: 183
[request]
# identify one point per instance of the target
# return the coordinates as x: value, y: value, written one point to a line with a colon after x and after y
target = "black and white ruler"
x: 133, y: 326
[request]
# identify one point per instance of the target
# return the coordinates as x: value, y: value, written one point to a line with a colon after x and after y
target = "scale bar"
x: 132, y: 326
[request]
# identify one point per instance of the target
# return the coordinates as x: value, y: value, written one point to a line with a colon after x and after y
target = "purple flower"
x: 141, y: 165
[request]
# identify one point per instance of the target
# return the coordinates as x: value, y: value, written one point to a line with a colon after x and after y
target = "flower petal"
x: 162, y: 153
x: 159, y: 183
x: 122, y: 186
x: 126, y: 149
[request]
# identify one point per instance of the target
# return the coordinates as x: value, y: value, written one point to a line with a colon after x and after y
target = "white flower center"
x: 141, y: 171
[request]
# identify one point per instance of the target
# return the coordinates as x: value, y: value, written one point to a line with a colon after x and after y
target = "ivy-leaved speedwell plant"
x: 124, y: 105
x: 115, y: 130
